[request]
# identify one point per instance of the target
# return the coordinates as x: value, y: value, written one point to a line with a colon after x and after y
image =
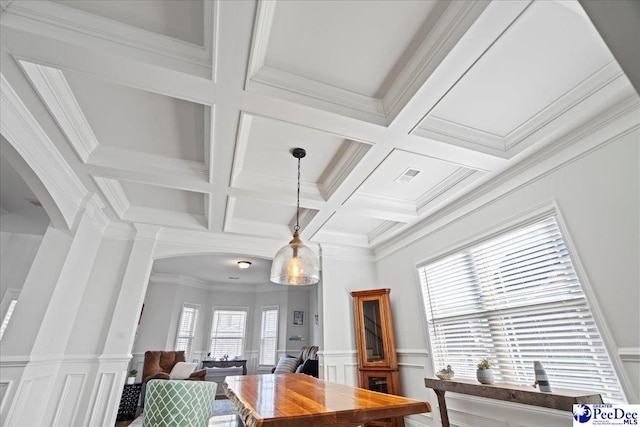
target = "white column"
x: 44, y: 317
x: 115, y: 357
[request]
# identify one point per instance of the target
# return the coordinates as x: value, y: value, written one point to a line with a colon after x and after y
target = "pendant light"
x: 296, y: 264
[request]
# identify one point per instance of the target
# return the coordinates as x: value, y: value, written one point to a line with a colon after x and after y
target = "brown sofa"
x: 158, y: 365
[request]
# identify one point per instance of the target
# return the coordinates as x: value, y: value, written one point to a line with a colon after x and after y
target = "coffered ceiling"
x: 183, y: 113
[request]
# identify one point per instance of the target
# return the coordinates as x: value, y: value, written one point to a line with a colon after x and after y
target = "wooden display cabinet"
x: 376, y: 349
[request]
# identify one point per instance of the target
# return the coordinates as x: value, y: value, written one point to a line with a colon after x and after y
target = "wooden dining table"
x: 294, y: 400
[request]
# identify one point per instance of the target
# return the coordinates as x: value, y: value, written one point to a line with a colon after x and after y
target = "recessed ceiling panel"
x: 264, y: 159
x: 180, y: 19
x: 545, y: 54
x: 168, y: 199
x: 140, y: 121
x: 353, y: 45
x: 406, y: 176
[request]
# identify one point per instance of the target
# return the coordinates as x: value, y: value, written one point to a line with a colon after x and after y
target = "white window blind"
x: 268, y: 336
x: 187, y: 330
x: 227, y: 333
x: 516, y: 299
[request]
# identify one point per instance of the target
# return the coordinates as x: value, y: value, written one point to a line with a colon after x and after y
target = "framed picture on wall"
x: 298, y: 318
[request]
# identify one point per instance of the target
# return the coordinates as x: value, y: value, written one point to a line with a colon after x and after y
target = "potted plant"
x: 484, y: 372
x: 131, y: 378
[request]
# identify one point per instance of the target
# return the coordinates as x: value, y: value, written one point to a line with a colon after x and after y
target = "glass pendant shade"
x: 295, y: 264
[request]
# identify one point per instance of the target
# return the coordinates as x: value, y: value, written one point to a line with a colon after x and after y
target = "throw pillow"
x: 182, y: 370
x: 286, y: 365
x: 310, y: 367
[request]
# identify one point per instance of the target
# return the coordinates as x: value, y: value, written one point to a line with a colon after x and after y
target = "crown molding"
x: 119, y: 231
x: 343, y: 163
x: 451, y: 26
x: 448, y: 30
x: 458, y: 180
x: 345, y: 253
x: 24, y: 133
x: 163, y: 217
x: 384, y: 229
x: 607, y: 127
x: 57, y: 95
x: 94, y: 209
x: 402, y: 209
x: 146, y: 232
x: 329, y: 237
x: 272, y: 81
x: 506, y: 146
x: 261, y: 33
x: 149, y: 164
x: 65, y: 23
x: 115, y: 195
x: 252, y: 181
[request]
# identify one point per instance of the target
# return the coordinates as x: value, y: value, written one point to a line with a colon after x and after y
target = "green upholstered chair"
x: 178, y: 403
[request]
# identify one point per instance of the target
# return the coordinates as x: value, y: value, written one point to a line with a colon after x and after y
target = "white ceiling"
x: 183, y: 113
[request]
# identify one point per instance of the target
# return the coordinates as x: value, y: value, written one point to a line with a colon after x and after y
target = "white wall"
x: 598, y: 197
x: 343, y: 271
x: 17, y: 252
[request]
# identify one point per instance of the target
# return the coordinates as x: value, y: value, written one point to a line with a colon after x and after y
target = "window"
x: 268, y: 336
x: 7, y: 316
x: 187, y: 329
x: 516, y: 299
x: 227, y: 333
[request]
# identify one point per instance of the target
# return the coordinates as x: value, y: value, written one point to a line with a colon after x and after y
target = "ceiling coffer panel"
x: 179, y: 19
x: 374, y: 57
x: 525, y: 80
x: 264, y: 218
x: 263, y: 159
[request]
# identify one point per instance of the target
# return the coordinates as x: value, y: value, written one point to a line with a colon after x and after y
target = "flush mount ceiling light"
x: 296, y: 264
x: 244, y: 264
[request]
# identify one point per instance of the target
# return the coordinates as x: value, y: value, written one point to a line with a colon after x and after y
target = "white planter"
x: 485, y: 376
x: 131, y: 380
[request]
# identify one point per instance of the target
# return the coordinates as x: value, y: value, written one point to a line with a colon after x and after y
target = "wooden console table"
x: 226, y: 364
x: 558, y: 399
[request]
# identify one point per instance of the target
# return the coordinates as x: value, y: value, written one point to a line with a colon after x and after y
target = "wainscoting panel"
x: 30, y: 390
x: 106, y: 387
x: 11, y: 372
x: 69, y: 400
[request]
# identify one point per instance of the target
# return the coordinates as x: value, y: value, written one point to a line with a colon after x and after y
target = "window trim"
x: 195, y: 328
x: 275, y: 354
x: 508, y: 225
x: 246, y: 324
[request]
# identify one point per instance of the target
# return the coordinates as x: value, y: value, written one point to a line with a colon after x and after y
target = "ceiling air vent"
x: 407, y: 176
x: 34, y: 202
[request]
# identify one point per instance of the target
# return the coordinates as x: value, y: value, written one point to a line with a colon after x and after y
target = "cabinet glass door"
x: 373, y: 339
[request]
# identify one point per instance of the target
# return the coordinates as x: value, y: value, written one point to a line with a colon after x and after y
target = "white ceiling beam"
x: 235, y: 24
x: 117, y: 69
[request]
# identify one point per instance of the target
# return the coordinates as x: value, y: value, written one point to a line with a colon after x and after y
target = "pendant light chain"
x: 297, y: 227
